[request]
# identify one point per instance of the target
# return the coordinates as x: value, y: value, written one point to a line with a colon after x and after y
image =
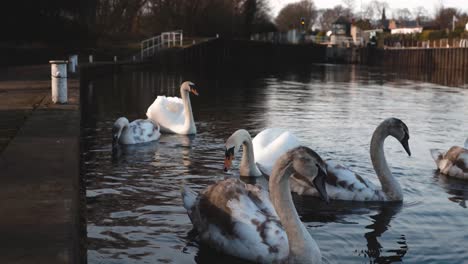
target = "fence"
x: 150, y: 46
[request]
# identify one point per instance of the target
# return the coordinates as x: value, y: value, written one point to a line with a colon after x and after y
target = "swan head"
x: 189, y: 87
x: 232, y: 146
x: 307, y: 166
x: 399, y: 130
x: 117, y: 128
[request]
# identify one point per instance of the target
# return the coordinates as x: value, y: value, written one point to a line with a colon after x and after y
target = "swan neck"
x: 247, y: 166
x: 390, y: 185
x: 302, y: 247
x: 189, y: 122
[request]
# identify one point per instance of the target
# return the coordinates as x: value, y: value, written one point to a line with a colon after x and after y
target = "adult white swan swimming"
x: 245, y: 221
x: 344, y: 184
x: 174, y: 115
x: 138, y: 131
x: 454, y: 162
x: 264, y: 149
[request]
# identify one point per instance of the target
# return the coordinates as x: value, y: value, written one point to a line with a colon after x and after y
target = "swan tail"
x: 189, y: 197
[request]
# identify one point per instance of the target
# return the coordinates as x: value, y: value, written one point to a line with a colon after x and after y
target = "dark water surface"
x: 134, y: 208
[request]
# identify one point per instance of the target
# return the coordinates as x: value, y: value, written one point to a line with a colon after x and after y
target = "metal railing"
x: 150, y: 46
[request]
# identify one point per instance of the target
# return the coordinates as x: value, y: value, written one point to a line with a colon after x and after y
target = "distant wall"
x: 430, y: 58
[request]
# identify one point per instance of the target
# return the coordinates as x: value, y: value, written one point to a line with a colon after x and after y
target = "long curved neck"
x: 302, y: 247
x: 390, y: 185
x: 189, y: 123
x: 247, y: 166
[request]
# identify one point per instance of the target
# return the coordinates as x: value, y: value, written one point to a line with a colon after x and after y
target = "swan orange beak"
x: 228, y: 162
x: 194, y: 91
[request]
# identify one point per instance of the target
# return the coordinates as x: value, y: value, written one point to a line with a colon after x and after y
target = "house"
x: 341, y: 33
x: 406, y: 27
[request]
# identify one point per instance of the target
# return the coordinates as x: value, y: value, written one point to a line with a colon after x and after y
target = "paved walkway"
x: 39, y: 169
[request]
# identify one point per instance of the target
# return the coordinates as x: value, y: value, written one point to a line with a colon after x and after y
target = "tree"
x: 375, y: 9
x: 290, y: 16
x: 402, y: 14
x: 350, y: 4
x: 444, y: 16
x: 420, y: 14
x: 330, y: 15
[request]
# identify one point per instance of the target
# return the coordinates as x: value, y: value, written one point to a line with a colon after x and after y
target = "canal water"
x: 134, y: 209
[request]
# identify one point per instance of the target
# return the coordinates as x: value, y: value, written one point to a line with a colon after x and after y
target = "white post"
x: 90, y: 58
x: 115, y: 58
x: 59, y: 81
x: 181, y: 38
x: 71, y: 63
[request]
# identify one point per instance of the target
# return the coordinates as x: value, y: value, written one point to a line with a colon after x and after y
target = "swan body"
x: 174, y: 114
x: 270, y: 144
x: 264, y: 149
x: 454, y: 162
x: 245, y: 221
x: 138, y: 131
x: 344, y: 184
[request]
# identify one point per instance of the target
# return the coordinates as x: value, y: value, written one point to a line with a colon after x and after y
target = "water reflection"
x: 134, y: 208
x: 381, y: 222
x: 456, y: 188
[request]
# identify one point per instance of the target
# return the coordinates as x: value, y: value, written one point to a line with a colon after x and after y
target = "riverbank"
x: 39, y: 164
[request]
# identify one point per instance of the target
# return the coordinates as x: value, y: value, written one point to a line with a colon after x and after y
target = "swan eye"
x: 229, y: 153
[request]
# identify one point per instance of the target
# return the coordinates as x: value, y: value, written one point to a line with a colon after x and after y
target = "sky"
x: 430, y: 5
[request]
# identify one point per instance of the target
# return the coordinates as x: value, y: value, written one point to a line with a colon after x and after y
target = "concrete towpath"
x: 39, y: 170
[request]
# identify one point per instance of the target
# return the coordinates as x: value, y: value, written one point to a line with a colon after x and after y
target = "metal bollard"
x: 90, y: 58
x: 59, y: 81
x: 115, y: 58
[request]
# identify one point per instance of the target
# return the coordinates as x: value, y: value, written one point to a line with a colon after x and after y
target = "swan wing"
x: 168, y: 112
x: 238, y: 219
x: 270, y: 144
x: 140, y: 131
x: 344, y: 184
x: 455, y: 163
x: 341, y: 184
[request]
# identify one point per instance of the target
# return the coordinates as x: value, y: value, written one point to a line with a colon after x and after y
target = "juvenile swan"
x: 239, y: 219
x: 138, y: 131
x: 264, y: 149
x: 343, y: 184
x: 454, y: 162
x: 173, y: 114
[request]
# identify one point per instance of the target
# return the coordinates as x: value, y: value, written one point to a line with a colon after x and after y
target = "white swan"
x: 454, y: 162
x: 264, y: 149
x: 138, y: 131
x: 173, y: 114
x: 239, y: 219
x: 344, y: 184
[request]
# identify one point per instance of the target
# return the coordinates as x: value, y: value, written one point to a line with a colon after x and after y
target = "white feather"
x: 270, y: 144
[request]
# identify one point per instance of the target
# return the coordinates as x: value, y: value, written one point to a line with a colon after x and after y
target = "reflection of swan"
x: 264, y: 149
x: 135, y: 153
x: 381, y: 222
x: 240, y: 220
x: 343, y: 184
x: 454, y: 162
x: 455, y: 187
x: 380, y: 214
x: 138, y: 131
x: 173, y: 114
